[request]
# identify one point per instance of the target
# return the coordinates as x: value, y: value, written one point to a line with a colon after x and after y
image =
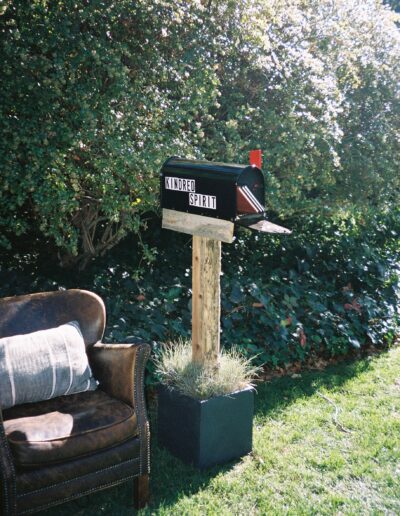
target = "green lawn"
x: 324, y: 443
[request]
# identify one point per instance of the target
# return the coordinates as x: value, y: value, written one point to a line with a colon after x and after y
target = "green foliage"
x: 316, y: 85
x: 331, y: 288
x: 96, y: 95
x: 175, y: 369
x: 394, y: 4
x: 325, y: 291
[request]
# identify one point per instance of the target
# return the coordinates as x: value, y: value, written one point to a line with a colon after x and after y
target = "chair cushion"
x: 67, y: 427
x: 43, y: 364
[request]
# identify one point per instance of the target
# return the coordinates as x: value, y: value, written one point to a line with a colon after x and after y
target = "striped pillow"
x: 43, y: 365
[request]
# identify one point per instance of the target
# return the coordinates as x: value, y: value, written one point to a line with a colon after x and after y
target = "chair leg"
x: 141, y: 491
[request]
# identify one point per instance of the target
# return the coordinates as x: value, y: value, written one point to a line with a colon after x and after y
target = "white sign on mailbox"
x: 180, y: 185
x: 203, y: 201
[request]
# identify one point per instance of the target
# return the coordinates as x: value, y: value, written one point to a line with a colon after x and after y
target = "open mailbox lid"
x: 208, y: 199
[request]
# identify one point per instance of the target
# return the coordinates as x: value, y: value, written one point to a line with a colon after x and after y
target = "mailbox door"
x: 261, y: 224
x: 252, y: 178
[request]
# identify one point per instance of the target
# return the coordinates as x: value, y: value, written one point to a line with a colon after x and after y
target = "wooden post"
x: 206, y: 305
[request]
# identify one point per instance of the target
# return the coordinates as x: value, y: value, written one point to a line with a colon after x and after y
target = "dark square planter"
x: 208, y: 432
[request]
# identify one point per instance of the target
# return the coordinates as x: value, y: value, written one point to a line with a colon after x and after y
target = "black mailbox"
x: 223, y: 191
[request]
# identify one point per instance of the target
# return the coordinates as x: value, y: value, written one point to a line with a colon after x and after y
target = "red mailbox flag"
x: 255, y: 158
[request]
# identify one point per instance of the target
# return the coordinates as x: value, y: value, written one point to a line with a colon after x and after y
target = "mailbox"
x: 206, y: 198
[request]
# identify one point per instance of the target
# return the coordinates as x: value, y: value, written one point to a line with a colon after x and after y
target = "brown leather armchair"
x: 63, y: 448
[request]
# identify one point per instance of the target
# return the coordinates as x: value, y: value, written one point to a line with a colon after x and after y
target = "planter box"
x: 208, y: 432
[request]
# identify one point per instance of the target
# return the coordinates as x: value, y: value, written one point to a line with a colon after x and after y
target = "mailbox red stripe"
x: 245, y: 204
x: 253, y: 198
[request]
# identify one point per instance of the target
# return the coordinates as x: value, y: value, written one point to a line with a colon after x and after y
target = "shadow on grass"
x: 172, y: 480
x: 277, y: 395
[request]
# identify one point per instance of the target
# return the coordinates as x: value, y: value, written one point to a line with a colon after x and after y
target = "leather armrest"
x: 119, y: 368
x: 8, y: 500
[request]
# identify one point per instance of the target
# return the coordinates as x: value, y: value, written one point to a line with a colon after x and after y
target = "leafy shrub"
x: 96, y: 95
x: 327, y: 289
x: 316, y: 86
x: 324, y: 292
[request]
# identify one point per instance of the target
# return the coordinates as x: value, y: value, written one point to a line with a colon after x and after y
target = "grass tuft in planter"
x: 176, y: 370
x: 205, y: 413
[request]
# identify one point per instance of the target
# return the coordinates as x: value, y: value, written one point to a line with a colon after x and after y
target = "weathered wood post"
x: 206, y: 300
